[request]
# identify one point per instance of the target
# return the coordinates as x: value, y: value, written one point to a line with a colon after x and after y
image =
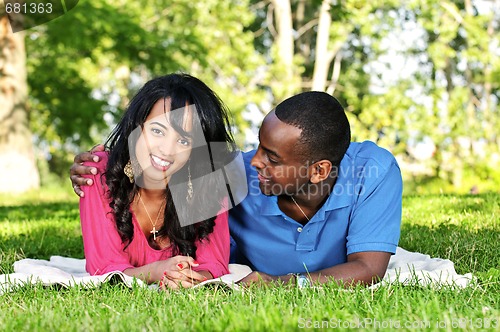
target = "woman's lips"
x: 160, y: 164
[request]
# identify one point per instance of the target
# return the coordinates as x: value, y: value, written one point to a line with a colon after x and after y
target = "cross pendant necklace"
x: 153, y: 231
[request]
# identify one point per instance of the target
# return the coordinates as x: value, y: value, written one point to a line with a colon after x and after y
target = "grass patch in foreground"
x: 464, y: 229
x: 118, y: 308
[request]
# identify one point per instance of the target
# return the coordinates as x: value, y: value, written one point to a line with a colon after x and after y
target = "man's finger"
x: 77, y: 180
x: 97, y: 148
x: 79, y: 170
x: 85, y: 156
x: 78, y: 191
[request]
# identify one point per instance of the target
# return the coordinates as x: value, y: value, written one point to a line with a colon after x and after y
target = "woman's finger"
x: 167, y: 284
x: 186, y: 275
x: 186, y: 262
x: 193, y: 276
x: 188, y: 284
x: 176, y: 284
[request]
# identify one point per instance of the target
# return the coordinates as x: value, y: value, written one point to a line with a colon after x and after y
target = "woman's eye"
x: 156, y: 131
x: 184, y: 142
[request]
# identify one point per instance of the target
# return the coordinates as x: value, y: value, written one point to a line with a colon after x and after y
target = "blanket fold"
x: 413, y: 268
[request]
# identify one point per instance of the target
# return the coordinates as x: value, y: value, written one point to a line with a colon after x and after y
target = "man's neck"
x: 309, y: 199
x: 313, y: 196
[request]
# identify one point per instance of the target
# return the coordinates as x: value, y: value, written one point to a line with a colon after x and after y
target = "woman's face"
x: 161, y: 151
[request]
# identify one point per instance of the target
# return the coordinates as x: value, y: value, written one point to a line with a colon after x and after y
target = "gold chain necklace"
x: 305, y: 215
x: 153, y: 231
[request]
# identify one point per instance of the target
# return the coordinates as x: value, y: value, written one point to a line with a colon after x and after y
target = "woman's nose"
x: 166, y: 146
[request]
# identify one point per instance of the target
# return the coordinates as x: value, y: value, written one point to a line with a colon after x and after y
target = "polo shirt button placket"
x: 299, y: 229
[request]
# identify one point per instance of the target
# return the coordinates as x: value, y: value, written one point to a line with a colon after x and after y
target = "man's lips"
x: 262, y: 179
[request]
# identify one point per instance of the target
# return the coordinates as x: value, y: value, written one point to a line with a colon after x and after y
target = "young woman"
x: 151, y: 185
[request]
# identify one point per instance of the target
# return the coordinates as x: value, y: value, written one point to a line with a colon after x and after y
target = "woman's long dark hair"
x: 182, y: 90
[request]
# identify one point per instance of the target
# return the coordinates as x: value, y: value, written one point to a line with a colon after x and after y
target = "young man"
x: 318, y: 207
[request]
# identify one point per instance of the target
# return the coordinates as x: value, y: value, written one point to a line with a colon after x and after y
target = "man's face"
x: 281, y: 170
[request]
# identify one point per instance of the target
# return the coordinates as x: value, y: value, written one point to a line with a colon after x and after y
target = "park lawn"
x: 465, y: 229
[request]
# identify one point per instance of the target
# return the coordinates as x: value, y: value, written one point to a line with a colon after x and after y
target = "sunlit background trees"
x: 419, y: 77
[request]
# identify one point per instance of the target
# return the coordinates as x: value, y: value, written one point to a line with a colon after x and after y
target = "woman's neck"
x: 152, y: 194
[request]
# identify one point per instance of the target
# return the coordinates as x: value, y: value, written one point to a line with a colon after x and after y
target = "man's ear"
x: 320, y: 170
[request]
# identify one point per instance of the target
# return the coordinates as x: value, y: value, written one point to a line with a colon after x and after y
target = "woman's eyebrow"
x: 159, y: 124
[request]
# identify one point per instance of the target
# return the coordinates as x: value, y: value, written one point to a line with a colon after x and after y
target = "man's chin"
x: 266, y: 190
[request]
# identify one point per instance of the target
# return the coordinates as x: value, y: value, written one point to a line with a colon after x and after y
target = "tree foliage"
x: 445, y: 94
x: 457, y: 66
x: 407, y: 72
x: 90, y: 61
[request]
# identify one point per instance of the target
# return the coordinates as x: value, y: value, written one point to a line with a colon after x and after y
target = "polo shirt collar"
x: 337, y: 200
x: 269, y: 206
x: 342, y: 193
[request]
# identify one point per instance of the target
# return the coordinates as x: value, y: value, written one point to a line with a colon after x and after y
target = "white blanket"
x: 404, y: 267
x: 418, y: 269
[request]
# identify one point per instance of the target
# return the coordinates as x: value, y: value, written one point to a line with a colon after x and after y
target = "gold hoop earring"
x: 129, y: 172
x: 190, y: 191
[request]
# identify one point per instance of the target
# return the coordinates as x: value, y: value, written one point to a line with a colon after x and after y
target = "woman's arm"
x: 104, y: 249
x: 101, y: 242
x: 213, y: 252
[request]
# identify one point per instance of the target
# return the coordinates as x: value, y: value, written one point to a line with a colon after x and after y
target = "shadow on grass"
x: 470, y: 250
x: 39, y: 231
x: 40, y: 211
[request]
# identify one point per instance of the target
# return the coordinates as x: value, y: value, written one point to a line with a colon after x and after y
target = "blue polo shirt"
x: 362, y: 213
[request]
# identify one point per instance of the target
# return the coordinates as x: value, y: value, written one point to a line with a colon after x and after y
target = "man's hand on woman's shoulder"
x: 78, y: 169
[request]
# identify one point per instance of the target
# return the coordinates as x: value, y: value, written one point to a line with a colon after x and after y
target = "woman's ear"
x: 320, y: 170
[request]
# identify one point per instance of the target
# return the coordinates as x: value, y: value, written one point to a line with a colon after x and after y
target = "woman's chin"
x: 156, y: 182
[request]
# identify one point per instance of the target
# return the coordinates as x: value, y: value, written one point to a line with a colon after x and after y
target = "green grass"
x: 465, y: 229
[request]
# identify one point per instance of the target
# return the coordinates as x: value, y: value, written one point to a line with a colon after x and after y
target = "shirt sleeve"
x: 213, y: 252
x: 376, y: 220
x: 101, y: 242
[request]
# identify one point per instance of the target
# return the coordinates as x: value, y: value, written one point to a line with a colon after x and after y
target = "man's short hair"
x: 325, y: 133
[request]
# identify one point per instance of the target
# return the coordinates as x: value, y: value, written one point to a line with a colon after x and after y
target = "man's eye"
x: 272, y: 161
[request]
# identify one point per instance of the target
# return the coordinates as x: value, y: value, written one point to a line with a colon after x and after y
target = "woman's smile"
x: 160, y: 164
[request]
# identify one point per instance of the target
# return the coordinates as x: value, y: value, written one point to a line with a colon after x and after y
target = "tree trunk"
x: 285, y: 45
x: 18, y: 171
x: 323, y: 56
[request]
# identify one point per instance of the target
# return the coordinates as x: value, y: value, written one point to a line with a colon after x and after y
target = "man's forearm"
x: 347, y: 274
x: 364, y: 268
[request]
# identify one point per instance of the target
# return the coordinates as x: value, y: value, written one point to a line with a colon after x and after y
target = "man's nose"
x: 257, y: 160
